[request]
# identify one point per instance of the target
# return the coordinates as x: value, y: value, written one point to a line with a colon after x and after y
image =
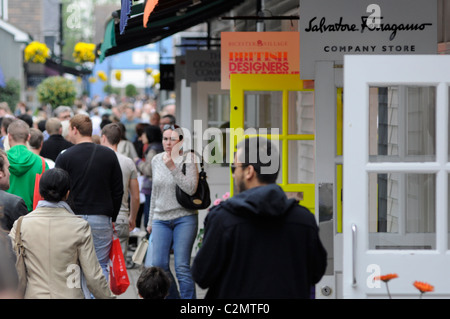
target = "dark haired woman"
x: 151, y: 137
x: 59, y: 246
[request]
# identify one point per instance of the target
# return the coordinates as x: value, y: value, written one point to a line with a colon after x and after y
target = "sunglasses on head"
x: 169, y: 127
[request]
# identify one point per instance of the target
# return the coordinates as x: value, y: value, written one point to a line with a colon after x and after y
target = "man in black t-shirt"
x: 96, y: 184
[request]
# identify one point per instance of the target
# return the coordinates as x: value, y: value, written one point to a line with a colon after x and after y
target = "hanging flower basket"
x: 84, y: 52
x: 36, y: 52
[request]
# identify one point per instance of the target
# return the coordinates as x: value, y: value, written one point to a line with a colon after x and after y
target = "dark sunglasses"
x: 233, y: 167
x: 169, y: 127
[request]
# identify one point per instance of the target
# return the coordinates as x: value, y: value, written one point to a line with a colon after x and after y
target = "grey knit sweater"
x: 164, y: 204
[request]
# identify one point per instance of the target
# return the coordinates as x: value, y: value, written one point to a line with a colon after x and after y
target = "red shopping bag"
x: 36, y: 195
x: 118, y: 276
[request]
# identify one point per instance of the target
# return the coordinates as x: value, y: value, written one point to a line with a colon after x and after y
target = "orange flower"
x: 423, y: 286
x: 386, y: 278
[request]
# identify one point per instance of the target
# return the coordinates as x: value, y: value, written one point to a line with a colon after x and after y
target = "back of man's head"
x: 169, y: 119
x: 36, y: 138
x: 263, y: 155
x: 53, y: 126
x: 82, y: 123
x: 19, y: 131
x: 113, y: 133
x: 5, y: 123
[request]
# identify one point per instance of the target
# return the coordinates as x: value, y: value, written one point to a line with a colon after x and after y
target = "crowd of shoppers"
x: 114, y: 166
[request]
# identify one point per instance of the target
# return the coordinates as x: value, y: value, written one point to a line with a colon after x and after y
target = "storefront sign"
x: 329, y: 29
x: 259, y: 53
x: 167, y: 79
x: 202, y: 65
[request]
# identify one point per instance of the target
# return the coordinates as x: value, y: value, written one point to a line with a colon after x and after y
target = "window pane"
x: 301, y: 112
x: 263, y: 110
x: 402, y: 122
x: 219, y: 117
x: 301, y: 162
x: 402, y: 212
x: 219, y: 110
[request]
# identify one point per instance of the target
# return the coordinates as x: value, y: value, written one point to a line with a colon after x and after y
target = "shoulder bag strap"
x: 18, y: 230
x: 90, y: 160
x: 183, y: 169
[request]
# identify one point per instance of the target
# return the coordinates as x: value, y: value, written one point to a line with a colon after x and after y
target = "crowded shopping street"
x: 225, y: 157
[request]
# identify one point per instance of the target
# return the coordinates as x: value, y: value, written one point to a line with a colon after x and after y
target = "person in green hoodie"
x: 24, y: 164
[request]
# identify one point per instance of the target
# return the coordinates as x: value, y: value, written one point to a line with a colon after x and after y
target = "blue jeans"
x: 102, y: 232
x: 101, y: 229
x: 180, y: 234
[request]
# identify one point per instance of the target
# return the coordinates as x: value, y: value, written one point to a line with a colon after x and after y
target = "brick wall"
x: 27, y: 16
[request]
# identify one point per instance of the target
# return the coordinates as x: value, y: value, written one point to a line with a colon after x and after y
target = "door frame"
x: 239, y: 83
x: 361, y: 264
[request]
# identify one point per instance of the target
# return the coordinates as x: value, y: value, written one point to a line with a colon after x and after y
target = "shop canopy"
x: 168, y: 18
x: 67, y: 67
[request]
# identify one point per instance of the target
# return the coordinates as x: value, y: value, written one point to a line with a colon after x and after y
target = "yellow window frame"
x: 239, y: 83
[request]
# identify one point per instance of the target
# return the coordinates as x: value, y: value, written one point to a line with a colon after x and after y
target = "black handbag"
x: 201, y: 199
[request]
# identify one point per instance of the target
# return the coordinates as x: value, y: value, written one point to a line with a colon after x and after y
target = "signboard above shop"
x: 330, y: 29
x: 258, y: 53
x: 202, y: 65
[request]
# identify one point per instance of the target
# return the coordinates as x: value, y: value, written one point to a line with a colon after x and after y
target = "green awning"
x: 109, y: 41
x: 168, y: 18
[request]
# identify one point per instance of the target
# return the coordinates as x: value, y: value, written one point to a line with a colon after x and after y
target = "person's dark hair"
x: 54, y: 184
x: 153, y: 133
x: 123, y: 130
x: 26, y: 118
x: 172, y: 119
x: 105, y: 122
x: 6, y: 121
x: 140, y: 128
x: 41, y: 125
x: 113, y: 133
x: 260, y: 152
x: 153, y: 283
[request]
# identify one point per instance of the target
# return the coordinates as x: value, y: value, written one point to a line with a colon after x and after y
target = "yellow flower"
x: 102, y: 76
x: 118, y: 75
x: 84, y: 52
x: 36, y: 52
x: 156, y: 77
x: 92, y: 79
x: 148, y: 70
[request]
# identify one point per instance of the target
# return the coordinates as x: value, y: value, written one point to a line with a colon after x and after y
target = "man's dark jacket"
x: 260, y: 244
x: 11, y: 208
x: 53, y: 146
